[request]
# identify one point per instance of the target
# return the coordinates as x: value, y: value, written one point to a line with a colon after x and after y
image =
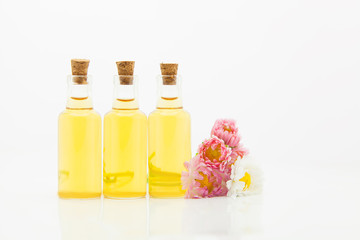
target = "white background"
x: 287, y: 71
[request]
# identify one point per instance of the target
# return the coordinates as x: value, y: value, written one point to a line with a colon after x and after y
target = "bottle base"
x: 166, y: 195
x: 157, y: 190
x: 125, y: 195
x: 79, y: 195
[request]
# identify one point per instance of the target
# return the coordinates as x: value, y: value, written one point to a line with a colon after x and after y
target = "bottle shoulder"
x: 125, y: 113
x: 186, y: 113
x: 79, y: 113
x: 169, y: 112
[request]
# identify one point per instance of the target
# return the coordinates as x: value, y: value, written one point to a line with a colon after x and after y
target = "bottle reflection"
x: 220, y: 218
x: 80, y: 219
x: 125, y: 219
x: 166, y: 217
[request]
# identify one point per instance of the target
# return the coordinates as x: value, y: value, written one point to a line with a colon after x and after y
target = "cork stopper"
x: 169, y: 72
x: 126, y: 72
x: 80, y: 67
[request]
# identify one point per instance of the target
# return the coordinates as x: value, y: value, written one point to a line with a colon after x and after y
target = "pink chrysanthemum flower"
x: 226, y: 130
x: 200, y: 181
x: 215, y: 153
x: 238, y: 151
x: 208, y: 172
x: 215, y: 183
x: 196, y: 168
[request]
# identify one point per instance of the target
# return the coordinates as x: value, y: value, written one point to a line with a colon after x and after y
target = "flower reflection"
x: 220, y: 218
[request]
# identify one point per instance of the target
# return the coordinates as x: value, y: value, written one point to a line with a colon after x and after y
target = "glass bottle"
x: 79, y: 145
x: 125, y: 143
x: 169, y: 140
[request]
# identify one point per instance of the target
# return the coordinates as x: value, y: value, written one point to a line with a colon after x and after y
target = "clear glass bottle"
x: 169, y: 141
x: 79, y: 145
x: 125, y: 143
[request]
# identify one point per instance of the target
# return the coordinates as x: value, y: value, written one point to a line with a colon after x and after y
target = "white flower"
x: 246, y: 178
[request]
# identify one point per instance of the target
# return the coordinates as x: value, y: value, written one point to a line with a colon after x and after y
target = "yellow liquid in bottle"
x: 79, y: 152
x: 169, y: 148
x: 125, y: 150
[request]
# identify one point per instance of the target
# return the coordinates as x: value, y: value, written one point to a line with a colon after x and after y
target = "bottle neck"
x: 79, y: 94
x: 169, y: 95
x: 125, y: 94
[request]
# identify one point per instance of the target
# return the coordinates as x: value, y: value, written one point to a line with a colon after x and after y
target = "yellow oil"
x: 125, y: 151
x: 169, y: 148
x: 79, y: 152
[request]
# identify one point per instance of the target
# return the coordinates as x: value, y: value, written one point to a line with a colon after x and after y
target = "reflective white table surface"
x: 297, y: 203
